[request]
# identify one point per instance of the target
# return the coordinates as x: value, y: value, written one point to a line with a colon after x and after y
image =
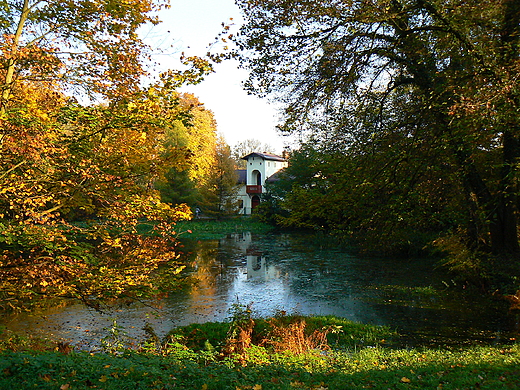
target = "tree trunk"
x: 10, y: 66
x: 504, y: 236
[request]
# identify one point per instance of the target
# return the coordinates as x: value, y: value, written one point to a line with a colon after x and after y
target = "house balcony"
x: 254, y: 189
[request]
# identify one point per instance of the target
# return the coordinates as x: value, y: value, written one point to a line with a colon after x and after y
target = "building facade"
x: 261, y: 168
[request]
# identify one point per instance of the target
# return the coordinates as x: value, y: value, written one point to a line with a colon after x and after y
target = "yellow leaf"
x: 103, y: 378
x: 405, y: 380
x: 65, y: 386
x: 257, y: 387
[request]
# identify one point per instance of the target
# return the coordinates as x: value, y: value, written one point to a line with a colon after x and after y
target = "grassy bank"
x: 280, y: 353
x: 204, y: 229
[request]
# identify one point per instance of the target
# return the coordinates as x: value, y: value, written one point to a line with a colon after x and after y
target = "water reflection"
x: 293, y: 273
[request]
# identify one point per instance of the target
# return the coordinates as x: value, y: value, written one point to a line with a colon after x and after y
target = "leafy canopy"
x: 419, y: 95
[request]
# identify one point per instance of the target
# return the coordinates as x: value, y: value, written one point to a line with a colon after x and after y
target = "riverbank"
x: 286, y: 353
x: 210, y: 229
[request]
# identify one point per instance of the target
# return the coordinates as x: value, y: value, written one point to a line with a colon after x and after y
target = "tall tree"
x: 220, y: 191
x: 448, y: 66
x: 193, y: 139
x: 61, y: 161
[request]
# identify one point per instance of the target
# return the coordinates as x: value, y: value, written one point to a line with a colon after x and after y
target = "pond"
x: 293, y: 273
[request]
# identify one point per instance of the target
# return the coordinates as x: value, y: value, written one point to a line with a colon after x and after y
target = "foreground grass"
x: 191, y: 359
x: 479, y: 367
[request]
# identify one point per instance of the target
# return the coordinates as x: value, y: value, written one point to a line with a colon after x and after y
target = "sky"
x: 190, y: 26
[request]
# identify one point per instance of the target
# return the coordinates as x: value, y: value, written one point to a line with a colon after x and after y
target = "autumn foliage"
x: 79, y: 213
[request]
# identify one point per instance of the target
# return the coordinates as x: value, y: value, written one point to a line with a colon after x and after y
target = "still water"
x: 294, y: 273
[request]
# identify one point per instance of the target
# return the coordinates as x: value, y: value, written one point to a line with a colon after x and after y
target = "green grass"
x: 358, y: 360
x: 202, y: 229
x: 379, y: 368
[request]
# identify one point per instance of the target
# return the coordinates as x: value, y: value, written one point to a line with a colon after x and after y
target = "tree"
x: 243, y: 148
x: 63, y: 163
x: 61, y: 41
x: 220, y: 192
x: 193, y: 139
x: 89, y: 48
x: 201, y: 138
x: 448, y: 68
x: 76, y: 181
x: 303, y: 177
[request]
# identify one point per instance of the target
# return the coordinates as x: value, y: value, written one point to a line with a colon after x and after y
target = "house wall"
x: 257, y: 165
x: 266, y: 168
x: 244, y: 201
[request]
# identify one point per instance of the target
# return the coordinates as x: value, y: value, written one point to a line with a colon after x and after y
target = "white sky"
x: 190, y: 26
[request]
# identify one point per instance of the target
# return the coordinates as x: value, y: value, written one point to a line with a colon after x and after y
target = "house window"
x: 240, y: 204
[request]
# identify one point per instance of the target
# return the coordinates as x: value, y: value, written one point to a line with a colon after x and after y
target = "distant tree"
x: 243, y: 148
x: 201, y: 138
x: 190, y: 141
x: 278, y: 207
x: 220, y: 192
x: 177, y: 188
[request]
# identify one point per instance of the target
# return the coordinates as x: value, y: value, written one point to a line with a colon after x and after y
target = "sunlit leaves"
x: 89, y: 44
x: 76, y: 184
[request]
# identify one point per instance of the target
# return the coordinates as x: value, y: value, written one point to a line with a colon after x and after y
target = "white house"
x: 261, y: 168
